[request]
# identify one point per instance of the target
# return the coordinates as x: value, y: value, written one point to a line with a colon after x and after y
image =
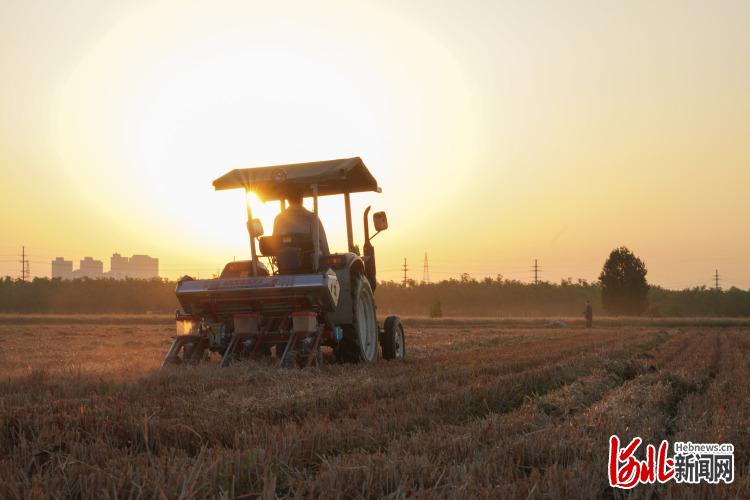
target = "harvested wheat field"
x: 479, y: 409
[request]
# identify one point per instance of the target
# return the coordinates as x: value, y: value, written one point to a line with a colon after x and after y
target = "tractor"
x: 303, y: 298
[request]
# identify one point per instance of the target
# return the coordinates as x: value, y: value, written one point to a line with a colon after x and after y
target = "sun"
x: 160, y: 109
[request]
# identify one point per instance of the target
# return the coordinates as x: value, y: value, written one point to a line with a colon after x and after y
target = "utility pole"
x: 716, y: 279
x: 405, y: 268
x: 536, y: 272
x: 25, y: 270
x: 426, y: 269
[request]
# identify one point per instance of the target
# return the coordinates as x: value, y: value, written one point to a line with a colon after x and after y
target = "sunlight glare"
x: 187, y: 101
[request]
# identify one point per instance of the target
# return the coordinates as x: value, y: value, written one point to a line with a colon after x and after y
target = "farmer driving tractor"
x: 296, y: 219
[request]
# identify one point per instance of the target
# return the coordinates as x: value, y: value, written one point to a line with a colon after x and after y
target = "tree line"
x: 500, y: 298
x: 43, y: 295
x: 466, y: 296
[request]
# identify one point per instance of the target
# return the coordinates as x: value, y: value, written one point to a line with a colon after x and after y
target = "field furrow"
x: 478, y: 410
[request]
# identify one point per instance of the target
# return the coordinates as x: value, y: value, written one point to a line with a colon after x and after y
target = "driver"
x: 297, y: 219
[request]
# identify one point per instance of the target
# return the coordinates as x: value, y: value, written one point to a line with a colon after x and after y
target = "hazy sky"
x: 500, y: 131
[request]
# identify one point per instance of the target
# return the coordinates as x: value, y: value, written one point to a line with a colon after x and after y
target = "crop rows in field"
x: 474, y: 411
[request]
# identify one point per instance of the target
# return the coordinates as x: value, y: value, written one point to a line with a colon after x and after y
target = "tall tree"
x: 623, y: 282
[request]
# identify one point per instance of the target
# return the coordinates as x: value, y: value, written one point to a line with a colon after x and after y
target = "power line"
x: 426, y: 269
x: 405, y: 268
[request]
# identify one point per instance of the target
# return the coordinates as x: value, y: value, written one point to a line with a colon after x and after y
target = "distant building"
x: 89, y: 268
x: 144, y: 267
x: 137, y: 266
x: 62, y: 268
x: 119, y: 266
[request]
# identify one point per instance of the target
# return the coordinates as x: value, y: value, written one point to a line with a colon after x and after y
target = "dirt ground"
x: 478, y: 409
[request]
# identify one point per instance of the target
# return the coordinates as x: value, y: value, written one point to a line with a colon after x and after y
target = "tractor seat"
x: 243, y: 269
x: 294, y: 252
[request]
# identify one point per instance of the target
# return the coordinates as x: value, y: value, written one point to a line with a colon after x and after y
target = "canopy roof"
x: 348, y: 175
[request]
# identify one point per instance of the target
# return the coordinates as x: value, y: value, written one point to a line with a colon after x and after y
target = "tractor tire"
x: 360, y: 342
x: 392, y: 340
x: 347, y: 351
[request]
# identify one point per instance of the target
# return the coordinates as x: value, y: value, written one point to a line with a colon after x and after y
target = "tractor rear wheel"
x: 360, y: 342
x: 347, y: 351
x: 392, y: 340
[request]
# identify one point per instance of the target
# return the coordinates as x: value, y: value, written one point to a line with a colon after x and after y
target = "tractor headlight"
x: 187, y: 325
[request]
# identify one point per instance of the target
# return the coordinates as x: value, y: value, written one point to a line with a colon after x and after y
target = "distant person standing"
x: 589, y: 314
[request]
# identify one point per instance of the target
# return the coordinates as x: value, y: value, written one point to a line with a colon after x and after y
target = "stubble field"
x: 479, y: 409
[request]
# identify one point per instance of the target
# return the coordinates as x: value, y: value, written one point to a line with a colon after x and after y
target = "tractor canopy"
x: 348, y: 175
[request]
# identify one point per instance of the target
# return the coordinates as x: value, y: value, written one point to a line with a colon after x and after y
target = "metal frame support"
x: 289, y: 343
x: 349, y: 233
x: 316, y: 230
x: 312, y: 358
x: 253, y: 252
x: 226, y: 359
x: 172, y: 352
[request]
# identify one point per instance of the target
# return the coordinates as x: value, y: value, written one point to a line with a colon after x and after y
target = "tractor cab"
x: 300, y: 252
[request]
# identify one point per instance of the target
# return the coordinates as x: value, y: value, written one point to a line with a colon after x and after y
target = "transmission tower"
x: 405, y: 268
x: 25, y: 270
x: 536, y: 272
x: 426, y: 269
x: 717, y: 278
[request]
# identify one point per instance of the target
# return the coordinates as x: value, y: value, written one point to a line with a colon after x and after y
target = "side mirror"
x: 380, y: 221
x: 255, y: 228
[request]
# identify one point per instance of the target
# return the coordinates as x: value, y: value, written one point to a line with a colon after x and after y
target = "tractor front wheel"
x: 392, y: 340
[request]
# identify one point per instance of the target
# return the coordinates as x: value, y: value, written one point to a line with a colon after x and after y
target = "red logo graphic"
x: 626, y: 471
